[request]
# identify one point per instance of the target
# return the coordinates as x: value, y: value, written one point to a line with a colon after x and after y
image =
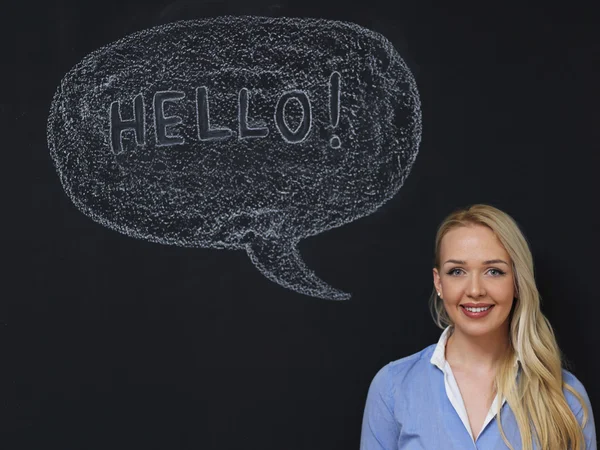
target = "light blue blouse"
x: 408, y: 408
x: 453, y: 391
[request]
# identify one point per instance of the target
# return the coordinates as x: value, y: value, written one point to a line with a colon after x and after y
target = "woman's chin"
x: 479, y: 329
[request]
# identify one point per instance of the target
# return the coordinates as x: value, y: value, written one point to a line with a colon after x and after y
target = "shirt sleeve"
x: 589, y: 431
x: 380, y: 430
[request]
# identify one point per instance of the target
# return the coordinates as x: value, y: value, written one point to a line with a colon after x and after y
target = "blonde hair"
x: 537, y: 399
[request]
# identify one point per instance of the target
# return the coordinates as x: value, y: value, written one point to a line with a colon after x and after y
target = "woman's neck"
x: 476, y: 353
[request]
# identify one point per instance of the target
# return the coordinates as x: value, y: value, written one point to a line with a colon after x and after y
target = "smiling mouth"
x: 477, y: 309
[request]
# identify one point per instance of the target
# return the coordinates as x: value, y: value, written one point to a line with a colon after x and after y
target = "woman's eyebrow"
x: 489, y: 261
x: 495, y: 261
x: 455, y: 261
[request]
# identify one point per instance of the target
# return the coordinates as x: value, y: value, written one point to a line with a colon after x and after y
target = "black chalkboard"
x: 121, y: 340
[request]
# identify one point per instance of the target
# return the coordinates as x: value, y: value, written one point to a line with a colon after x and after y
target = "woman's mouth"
x: 478, y: 312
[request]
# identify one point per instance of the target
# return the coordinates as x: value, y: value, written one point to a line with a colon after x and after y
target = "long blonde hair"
x: 537, y: 400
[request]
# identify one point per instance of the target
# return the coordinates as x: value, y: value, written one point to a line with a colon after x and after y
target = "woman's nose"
x: 475, y: 287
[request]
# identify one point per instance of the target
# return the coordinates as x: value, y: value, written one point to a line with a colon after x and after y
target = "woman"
x: 495, y: 379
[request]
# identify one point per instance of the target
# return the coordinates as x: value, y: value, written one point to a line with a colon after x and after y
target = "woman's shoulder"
x: 570, y: 379
x: 411, y: 366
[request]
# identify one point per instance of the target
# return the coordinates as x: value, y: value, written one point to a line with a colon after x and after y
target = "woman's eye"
x: 496, y: 272
x: 454, y: 271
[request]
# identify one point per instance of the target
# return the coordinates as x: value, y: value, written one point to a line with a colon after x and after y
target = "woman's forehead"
x: 474, y: 241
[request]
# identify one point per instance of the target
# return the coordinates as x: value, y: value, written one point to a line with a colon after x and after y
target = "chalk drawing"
x: 247, y: 133
x: 205, y: 132
x: 300, y: 133
x: 244, y: 130
x: 161, y: 122
x: 118, y: 125
x: 334, y: 106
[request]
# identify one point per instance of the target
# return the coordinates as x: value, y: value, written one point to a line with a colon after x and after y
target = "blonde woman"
x: 495, y: 378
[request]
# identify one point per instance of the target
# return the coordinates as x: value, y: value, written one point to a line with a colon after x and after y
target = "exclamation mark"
x: 334, y: 106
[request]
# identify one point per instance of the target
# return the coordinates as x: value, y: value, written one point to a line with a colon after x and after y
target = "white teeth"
x: 477, y: 309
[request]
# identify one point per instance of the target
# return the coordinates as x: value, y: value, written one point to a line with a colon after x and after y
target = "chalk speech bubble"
x: 237, y: 133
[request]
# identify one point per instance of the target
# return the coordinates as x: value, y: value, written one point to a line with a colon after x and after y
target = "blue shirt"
x: 453, y: 391
x: 408, y: 408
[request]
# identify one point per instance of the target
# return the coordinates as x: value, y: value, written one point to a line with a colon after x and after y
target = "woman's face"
x: 475, y: 270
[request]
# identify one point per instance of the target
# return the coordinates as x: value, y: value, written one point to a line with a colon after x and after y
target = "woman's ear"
x: 437, y: 282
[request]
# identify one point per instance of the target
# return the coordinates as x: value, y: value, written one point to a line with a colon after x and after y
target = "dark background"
x: 117, y: 343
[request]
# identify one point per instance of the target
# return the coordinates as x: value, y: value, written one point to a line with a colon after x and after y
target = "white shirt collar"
x: 439, y: 354
x: 452, y: 390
